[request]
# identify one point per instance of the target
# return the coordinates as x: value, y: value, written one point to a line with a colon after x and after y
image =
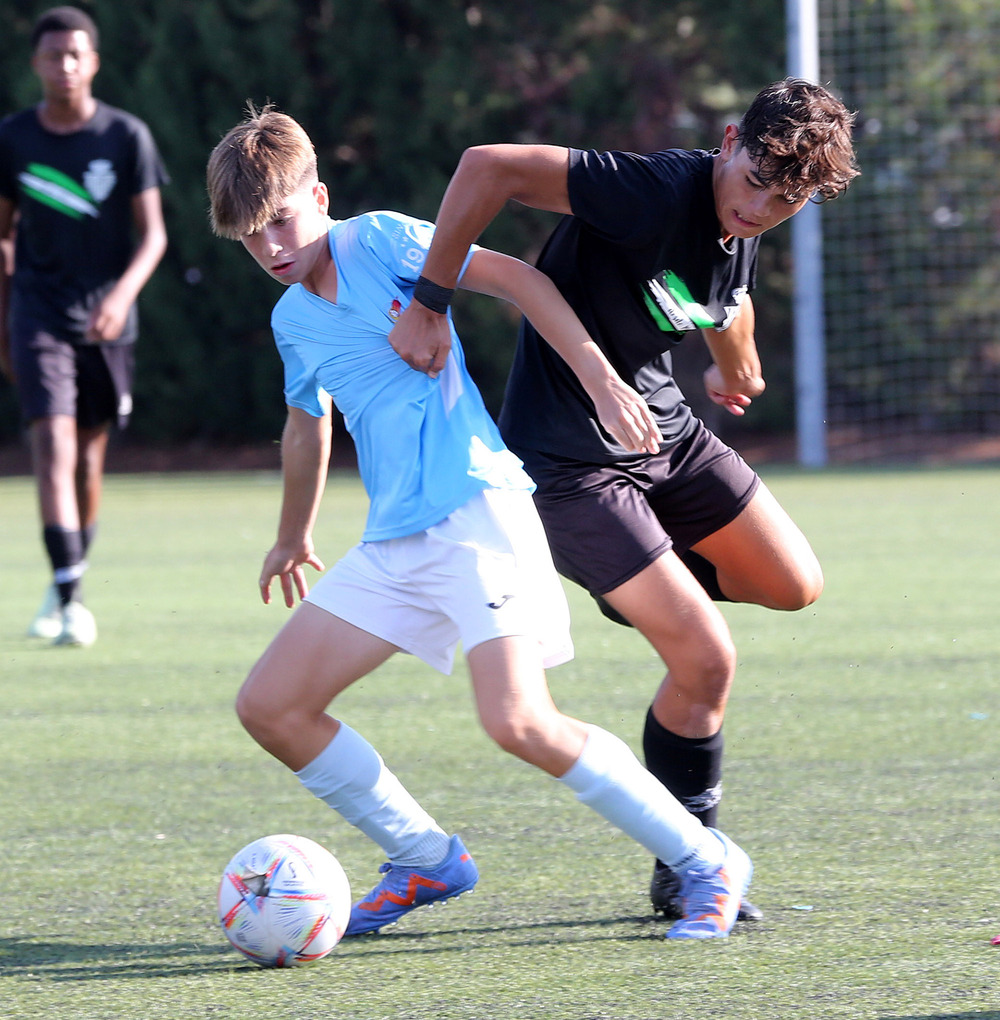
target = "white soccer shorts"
x: 483, y: 572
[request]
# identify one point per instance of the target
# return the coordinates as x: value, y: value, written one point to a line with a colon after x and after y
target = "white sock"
x: 350, y: 776
x: 610, y: 779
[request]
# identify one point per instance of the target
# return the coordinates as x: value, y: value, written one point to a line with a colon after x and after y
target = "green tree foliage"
x: 391, y: 91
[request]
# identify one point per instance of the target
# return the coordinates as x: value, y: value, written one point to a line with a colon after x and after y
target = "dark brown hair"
x: 799, y: 136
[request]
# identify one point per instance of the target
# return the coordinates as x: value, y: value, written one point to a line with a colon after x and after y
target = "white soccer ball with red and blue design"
x: 284, y: 901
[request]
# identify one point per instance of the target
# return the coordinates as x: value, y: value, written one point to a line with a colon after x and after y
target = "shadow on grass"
x: 35, y: 960
x: 79, y: 961
x: 534, y: 933
x: 985, y: 1014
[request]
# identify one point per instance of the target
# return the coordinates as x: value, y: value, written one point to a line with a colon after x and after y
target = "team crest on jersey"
x: 395, y: 309
x: 100, y: 178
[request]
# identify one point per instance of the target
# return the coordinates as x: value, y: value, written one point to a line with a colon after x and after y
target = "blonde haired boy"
x: 452, y: 548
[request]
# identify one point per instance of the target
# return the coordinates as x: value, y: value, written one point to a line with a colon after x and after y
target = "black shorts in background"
x: 607, y: 522
x: 89, y: 382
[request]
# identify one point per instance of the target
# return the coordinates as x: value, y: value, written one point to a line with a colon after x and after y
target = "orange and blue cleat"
x: 665, y: 895
x: 405, y: 889
x: 712, y: 896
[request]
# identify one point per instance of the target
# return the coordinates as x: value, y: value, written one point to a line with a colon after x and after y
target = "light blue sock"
x: 350, y: 776
x: 610, y: 779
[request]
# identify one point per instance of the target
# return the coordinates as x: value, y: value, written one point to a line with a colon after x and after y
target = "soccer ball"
x: 284, y: 901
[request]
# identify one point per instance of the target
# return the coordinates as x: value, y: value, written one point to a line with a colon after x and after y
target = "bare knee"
x: 692, y: 699
x: 811, y: 591
x: 801, y: 590
x: 548, y: 740
x: 709, y: 678
x: 517, y: 734
x: 267, y: 719
x: 705, y: 655
x: 516, y: 709
x: 252, y: 713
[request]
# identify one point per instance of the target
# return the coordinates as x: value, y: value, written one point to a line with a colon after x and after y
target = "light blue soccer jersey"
x: 425, y: 446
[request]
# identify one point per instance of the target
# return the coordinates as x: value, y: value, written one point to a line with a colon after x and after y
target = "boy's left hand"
x: 734, y: 400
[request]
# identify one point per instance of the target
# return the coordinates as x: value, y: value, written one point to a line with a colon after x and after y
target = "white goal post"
x: 807, y: 265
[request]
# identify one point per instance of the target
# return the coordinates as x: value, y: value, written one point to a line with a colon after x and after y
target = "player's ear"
x: 730, y: 141
x: 322, y: 195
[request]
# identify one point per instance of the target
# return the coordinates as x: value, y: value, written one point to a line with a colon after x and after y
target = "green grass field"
x: 862, y: 775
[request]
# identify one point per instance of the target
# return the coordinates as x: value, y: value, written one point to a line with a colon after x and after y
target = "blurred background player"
x: 653, y: 247
x: 79, y: 192
x: 452, y: 548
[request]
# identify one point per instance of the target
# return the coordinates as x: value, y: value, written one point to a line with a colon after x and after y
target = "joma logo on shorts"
x: 504, y: 599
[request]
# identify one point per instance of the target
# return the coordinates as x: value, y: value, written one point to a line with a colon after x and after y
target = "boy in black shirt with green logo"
x: 653, y: 247
x: 80, y: 190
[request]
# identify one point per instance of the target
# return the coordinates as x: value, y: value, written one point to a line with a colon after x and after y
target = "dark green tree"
x: 391, y: 91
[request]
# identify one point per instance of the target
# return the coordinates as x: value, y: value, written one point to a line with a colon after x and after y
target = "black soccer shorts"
x: 605, y: 523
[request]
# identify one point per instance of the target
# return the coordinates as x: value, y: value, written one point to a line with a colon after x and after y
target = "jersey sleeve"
x: 301, y: 387
x: 149, y: 171
x: 627, y: 198
x: 400, y: 243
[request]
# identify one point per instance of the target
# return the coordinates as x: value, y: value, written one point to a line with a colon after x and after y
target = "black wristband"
x: 432, y: 296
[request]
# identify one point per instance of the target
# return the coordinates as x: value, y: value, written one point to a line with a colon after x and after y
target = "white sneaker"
x: 48, y: 621
x: 79, y: 627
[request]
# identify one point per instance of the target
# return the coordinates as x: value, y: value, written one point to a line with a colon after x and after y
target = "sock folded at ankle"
x: 65, y: 550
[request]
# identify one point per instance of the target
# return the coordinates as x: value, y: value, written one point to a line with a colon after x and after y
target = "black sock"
x: 65, y: 549
x: 88, y: 534
x: 690, y: 768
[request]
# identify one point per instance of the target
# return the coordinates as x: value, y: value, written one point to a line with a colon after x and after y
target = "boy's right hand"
x: 422, y: 339
x: 287, y: 566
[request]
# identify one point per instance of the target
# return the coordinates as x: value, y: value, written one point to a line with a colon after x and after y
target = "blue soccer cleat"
x: 405, y: 889
x: 712, y: 896
x: 665, y: 895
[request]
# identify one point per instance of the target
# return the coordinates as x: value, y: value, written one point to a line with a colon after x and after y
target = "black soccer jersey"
x: 640, y: 261
x: 73, y: 193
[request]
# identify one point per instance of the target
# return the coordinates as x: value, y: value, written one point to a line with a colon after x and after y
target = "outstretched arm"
x: 487, y: 177
x: 305, y: 457
x: 621, y: 411
x: 734, y: 377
